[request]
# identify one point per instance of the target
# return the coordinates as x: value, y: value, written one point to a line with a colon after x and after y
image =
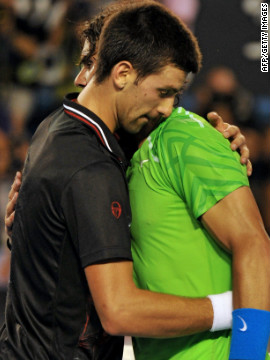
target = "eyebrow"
x: 173, y: 89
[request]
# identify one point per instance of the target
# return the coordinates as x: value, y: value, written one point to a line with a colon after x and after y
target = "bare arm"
x: 126, y: 310
x: 236, y: 222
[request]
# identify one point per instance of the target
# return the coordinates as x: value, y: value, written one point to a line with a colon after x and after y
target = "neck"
x: 100, y: 100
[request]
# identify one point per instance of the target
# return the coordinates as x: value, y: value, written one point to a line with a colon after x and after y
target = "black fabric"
x: 72, y: 211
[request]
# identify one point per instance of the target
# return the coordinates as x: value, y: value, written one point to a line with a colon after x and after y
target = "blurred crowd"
x: 39, y: 52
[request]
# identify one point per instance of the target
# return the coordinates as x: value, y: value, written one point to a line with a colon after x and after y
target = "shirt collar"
x: 81, y: 113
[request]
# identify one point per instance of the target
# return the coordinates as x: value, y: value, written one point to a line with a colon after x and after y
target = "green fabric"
x: 183, y: 169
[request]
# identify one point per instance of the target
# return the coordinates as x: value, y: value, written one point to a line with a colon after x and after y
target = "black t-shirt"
x: 73, y: 211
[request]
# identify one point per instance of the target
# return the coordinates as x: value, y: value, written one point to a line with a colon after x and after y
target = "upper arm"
x: 97, y: 212
x: 235, y: 220
x: 110, y: 285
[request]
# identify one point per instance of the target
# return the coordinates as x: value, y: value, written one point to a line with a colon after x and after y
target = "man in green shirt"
x: 182, y: 180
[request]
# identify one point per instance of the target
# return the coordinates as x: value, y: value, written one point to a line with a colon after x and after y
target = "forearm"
x: 251, y: 274
x: 236, y: 223
x: 148, y: 314
x: 126, y: 310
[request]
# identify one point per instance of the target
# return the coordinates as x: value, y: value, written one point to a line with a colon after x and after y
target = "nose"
x: 80, y: 79
x: 165, y: 107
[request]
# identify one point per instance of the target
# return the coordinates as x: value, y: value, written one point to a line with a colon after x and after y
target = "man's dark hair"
x: 91, y: 30
x: 150, y: 37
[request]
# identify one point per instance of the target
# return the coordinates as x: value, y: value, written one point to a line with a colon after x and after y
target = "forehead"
x: 169, y: 77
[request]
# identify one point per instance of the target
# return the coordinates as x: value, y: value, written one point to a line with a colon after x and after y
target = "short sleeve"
x: 96, y: 207
x: 199, y: 163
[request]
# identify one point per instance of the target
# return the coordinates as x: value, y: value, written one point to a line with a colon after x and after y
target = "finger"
x: 239, y: 142
x: 11, y: 205
x: 232, y: 131
x: 19, y: 175
x: 216, y: 120
x: 9, y: 220
x: 249, y: 168
x: 244, y: 152
x: 15, y: 187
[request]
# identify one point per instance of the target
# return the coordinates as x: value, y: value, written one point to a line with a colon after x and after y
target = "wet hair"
x: 149, y: 36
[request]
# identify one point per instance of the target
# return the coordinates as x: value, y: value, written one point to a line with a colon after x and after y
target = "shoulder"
x: 182, y: 119
x: 186, y: 127
x: 186, y: 138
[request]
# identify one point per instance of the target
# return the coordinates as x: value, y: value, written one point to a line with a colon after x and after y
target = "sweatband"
x: 250, y: 334
x: 222, y: 308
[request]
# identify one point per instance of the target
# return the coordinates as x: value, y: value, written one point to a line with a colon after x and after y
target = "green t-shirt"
x: 183, y: 169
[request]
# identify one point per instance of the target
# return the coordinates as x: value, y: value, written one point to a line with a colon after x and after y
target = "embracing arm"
x: 126, y: 310
x: 236, y: 223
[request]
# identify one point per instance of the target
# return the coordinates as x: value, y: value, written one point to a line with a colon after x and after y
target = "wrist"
x: 250, y: 334
x: 222, y: 311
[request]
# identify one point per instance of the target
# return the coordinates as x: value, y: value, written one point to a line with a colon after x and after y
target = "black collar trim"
x: 72, y: 109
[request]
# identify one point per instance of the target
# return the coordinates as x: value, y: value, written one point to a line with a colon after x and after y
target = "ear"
x: 122, y: 73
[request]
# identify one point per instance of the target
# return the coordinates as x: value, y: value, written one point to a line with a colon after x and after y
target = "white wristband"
x: 223, y: 308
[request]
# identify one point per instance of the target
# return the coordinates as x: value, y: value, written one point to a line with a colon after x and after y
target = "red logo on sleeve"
x: 116, y: 209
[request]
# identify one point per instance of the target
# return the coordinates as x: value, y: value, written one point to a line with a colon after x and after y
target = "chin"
x: 137, y: 127
x: 131, y: 130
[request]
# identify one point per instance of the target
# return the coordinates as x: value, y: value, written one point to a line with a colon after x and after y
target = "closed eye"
x: 163, y: 93
x: 166, y: 93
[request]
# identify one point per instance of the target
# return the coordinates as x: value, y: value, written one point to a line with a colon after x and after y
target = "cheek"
x: 89, y: 74
x: 148, y: 101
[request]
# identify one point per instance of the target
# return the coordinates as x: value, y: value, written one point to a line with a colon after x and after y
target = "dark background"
x: 223, y: 30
